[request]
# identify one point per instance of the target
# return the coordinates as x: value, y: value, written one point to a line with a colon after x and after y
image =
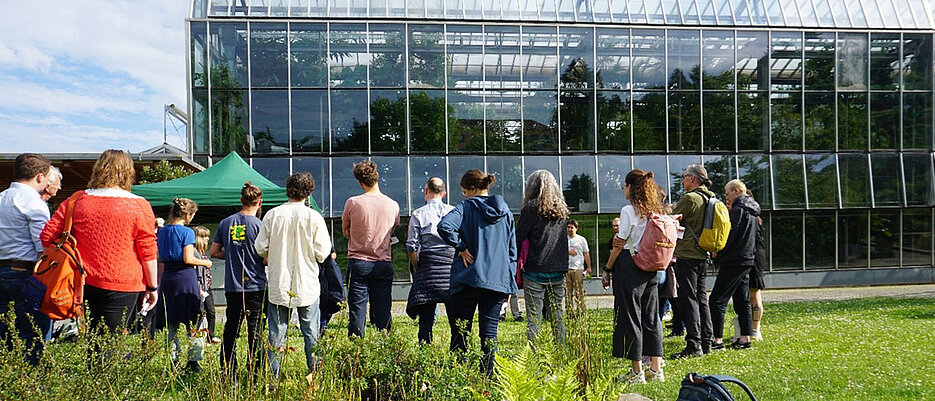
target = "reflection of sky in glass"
x: 613, y: 171
x: 585, y: 192
x: 421, y: 169
x: 318, y: 167
x: 509, y: 173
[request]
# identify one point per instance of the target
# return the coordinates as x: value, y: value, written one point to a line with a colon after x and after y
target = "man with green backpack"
x: 707, y: 225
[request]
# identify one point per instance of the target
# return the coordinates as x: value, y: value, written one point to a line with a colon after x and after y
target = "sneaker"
x: 519, y: 318
x: 652, y: 375
x: 502, y: 317
x: 757, y: 336
x: 736, y: 324
x: 193, y: 367
x: 718, y: 346
x: 687, y: 353
x: 740, y: 345
x: 632, y: 377
x: 667, y: 316
x: 705, y: 348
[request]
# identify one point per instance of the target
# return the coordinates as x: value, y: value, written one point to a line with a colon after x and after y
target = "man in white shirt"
x: 579, y: 256
x: 294, y: 239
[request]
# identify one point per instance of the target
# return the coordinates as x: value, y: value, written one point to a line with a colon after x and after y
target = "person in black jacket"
x: 735, y: 261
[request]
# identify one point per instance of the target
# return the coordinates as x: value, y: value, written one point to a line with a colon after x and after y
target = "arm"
x: 587, y: 262
x: 449, y: 226
x: 149, y: 278
x: 188, y: 256
x: 217, y: 251
x: 38, y: 217
x: 346, y: 219
x: 412, y: 241
x: 262, y: 239
x: 613, y: 256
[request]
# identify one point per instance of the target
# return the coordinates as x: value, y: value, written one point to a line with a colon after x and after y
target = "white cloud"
x: 24, y: 133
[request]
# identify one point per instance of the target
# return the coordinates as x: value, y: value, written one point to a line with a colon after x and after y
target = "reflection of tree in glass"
x: 388, y: 125
x: 579, y: 189
x: 427, y: 60
x: 577, y: 111
x: 309, y: 58
x: 613, y: 124
x: 269, y: 58
x: 228, y: 113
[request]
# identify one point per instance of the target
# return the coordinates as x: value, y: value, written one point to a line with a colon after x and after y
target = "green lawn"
x: 869, y: 349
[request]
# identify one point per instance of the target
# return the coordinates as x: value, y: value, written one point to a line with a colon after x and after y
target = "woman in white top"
x: 637, y: 332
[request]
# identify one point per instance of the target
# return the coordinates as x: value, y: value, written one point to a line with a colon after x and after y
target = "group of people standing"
x: 464, y: 256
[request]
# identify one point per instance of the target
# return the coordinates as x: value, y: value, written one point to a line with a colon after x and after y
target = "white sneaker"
x: 667, y: 317
x: 652, y: 375
x: 632, y: 377
x: 756, y: 336
x: 736, y: 335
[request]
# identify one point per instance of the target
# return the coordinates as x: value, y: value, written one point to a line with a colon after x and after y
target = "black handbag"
x: 697, y: 387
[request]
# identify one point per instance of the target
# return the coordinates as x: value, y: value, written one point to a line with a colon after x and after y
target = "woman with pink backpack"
x: 637, y: 332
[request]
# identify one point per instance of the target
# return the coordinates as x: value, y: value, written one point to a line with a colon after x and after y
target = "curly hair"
x: 300, y: 186
x: 366, y: 173
x: 113, y: 169
x: 181, y: 207
x: 644, y: 192
x: 541, y: 185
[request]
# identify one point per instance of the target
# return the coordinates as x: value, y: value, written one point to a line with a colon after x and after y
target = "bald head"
x: 434, y: 189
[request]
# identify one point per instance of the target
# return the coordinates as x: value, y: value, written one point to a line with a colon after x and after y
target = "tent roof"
x: 218, y: 185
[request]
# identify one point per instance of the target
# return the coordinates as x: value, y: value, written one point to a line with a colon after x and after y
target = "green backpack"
x: 716, y: 226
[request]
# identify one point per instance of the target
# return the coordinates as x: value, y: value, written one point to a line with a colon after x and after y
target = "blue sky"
x: 91, y: 75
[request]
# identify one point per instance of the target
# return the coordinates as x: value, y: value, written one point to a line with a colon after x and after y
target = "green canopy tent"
x: 218, y: 185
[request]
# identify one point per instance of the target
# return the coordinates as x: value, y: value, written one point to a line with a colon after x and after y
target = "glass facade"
x: 831, y: 128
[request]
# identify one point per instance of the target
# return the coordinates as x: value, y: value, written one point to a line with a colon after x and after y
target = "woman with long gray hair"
x: 542, y: 223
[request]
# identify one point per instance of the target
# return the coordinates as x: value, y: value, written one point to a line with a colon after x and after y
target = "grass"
x: 878, y: 348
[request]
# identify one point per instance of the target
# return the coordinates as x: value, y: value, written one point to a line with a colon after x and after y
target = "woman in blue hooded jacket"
x: 481, y: 230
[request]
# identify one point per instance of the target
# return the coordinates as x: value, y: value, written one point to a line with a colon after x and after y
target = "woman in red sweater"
x: 114, y: 231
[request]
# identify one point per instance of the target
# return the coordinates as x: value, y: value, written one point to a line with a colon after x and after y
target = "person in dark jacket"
x: 481, y: 230
x: 542, y: 220
x: 735, y: 261
x: 332, y: 290
x: 430, y: 258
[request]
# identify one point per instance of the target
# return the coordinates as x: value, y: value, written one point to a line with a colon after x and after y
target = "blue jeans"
x: 461, y: 306
x: 31, y: 326
x: 369, y: 281
x: 196, y: 341
x: 309, y: 321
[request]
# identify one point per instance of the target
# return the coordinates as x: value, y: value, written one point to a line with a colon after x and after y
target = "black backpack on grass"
x: 697, y: 387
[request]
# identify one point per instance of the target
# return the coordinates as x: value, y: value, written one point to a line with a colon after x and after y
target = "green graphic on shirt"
x: 238, y: 232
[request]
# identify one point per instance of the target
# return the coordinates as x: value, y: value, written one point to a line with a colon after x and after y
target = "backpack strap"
x: 732, y: 379
x: 704, y: 200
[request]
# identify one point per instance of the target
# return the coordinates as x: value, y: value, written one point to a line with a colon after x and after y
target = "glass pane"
x: 677, y: 165
x: 852, y: 121
x: 310, y: 121
x: 434, y: 8
x: 917, y: 61
x: 539, y: 59
x: 501, y: 59
x: 919, y: 183
x: 852, y: 239
x: 465, y: 60
x: 754, y: 171
x: 685, y: 121
x: 579, y: 183
x: 786, y: 235
x: 228, y: 55
x: 884, y: 60
x: 504, y: 122
x: 583, y: 10
x: 349, y: 121
x: 917, y: 237
x: 268, y: 56
x: 855, y: 7
x: 229, y: 119
x: 602, y: 9
x: 839, y: 11
x: 648, y: 48
x: 672, y: 12
x: 613, y: 120
x: 887, y: 179
x: 199, y: 121
x: 509, y: 173
x: 655, y: 12
x: 825, y: 15
x: 613, y: 171
x: 613, y: 59
x: 775, y: 12
x: 457, y: 166
x: 725, y: 12
x: 257, y: 7
x: 791, y: 13
x: 427, y: 121
x: 689, y: 12
x: 658, y: 165
x: 533, y: 163
x: 684, y: 59
x: 819, y: 240
x: 343, y: 183
x: 270, y: 121
x: 790, y: 184
x: 707, y: 12
x: 819, y: 60
x: 917, y: 120
x: 855, y: 180
x: 718, y: 119
x: 300, y: 8
x: 577, y: 120
x: 852, y: 61
x: 718, y: 59
x: 388, y: 120
x: 426, y: 56
x: 752, y: 60
x: 786, y: 61
x: 275, y: 170
x: 752, y: 121
x: 378, y: 8
x: 321, y: 172
x: 741, y: 13
x: 637, y: 11
x: 786, y: 123
x: 466, y: 121
x: 649, y: 121
x: 819, y: 121
x: 576, y: 49
x: 393, y: 180
x: 453, y: 9
x: 511, y: 9
x: 822, y: 176
x: 415, y: 10
x: 387, y: 66
x: 279, y: 8
x: 309, y: 55
x: 566, y: 10
x: 547, y: 10
x: 540, y: 117
x: 348, y: 59
x: 884, y: 120
x: 420, y: 170
x: 199, y: 56
x: 721, y: 169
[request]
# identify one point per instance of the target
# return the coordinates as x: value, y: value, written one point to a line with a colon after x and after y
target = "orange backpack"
x: 57, y: 285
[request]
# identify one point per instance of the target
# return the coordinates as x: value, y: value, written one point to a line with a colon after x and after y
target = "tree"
x: 162, y: 171
x: 579, y: 189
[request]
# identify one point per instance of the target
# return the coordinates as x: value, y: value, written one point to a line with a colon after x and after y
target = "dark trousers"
x: 732, y: 282
x: 693, y: 301
x: 210, y: 314
x: 461, y: 307
x: 240, y: 306
x: 678, y: 326
x: 110, y: 311
x: 31, y: 326
x: 426, y: 314
x: 371, y: 281
x: 637, y: 329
